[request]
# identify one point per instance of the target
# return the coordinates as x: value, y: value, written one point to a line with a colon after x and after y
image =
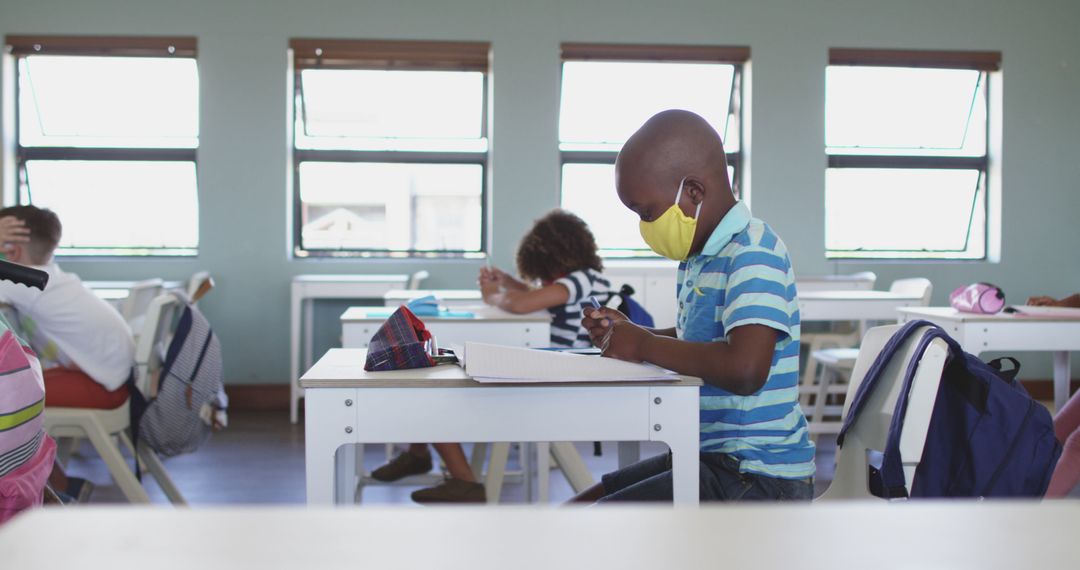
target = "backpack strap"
x: 892, y: 472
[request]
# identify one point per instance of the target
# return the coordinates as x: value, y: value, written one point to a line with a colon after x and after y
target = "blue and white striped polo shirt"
x: 743, y: 276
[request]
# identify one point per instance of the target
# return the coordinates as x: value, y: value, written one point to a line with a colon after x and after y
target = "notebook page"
x: 496, y: 363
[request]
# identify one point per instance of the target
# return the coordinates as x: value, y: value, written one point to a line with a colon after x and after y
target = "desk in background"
x: 489, y: 324
x: 452, y: 298
x: 1008, y: 332
x: 959, y: 535
x: 116, y: 291
x: 853, y: 305
x: 347, y: 405
x: 305, y: 289
x: 856, y: 281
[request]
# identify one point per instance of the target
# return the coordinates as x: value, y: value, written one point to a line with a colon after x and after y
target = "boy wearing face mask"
x: 737, y: 326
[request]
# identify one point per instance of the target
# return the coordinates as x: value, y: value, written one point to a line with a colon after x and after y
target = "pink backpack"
x: 981, y: 298
x: 26, y: 452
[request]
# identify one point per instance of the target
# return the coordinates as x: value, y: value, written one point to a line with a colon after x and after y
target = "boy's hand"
x: 599, y: 321
x: 626, y: 341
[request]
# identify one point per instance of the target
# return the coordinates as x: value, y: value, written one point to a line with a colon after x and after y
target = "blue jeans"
x: 650, y: 480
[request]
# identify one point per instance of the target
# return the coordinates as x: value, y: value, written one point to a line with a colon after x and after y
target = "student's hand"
x: 13, y: 230
x: 489, y: 285
x: 625, y: 341
x: 599, y: 321
x: 1042, y: 301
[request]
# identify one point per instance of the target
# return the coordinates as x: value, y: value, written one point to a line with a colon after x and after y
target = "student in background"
x: 737, y: 328
x: 1044, y: 301
x: 559, y: 255
x: 1066, y: 422
x: 86, y: 349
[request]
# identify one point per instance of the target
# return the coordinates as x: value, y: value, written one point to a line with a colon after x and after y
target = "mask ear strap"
x: 697, y: 213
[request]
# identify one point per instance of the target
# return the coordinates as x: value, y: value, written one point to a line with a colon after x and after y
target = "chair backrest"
x: 920, y: 287
x: 198, y: 285
x: 157, y: 329
x: 871, y: 430
x: 862, y: 281
x: 416, y: 279
x: 139, y: 297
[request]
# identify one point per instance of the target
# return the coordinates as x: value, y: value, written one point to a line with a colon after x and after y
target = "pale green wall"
x: 242, y: 157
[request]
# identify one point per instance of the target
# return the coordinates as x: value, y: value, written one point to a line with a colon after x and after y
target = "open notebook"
x: 496, y: 363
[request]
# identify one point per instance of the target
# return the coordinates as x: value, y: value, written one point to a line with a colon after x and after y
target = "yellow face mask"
x: 672, y: 234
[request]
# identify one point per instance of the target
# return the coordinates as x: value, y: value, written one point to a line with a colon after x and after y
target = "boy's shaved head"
x: 672, y: 147
x: 673, y: 144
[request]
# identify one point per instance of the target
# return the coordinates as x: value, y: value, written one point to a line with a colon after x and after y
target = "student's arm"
x: 740, y: 365
x: 517, y: 301
x: 597, y: 322
x: 1044, y: 301
x: 508, y: 281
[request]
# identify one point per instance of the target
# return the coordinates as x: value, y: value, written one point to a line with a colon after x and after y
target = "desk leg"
x: 1062, y: 374
x: 306, y: 338
x: 629, y: 453
x: 673, y: 415
x: 294, y: 354
x: 320, y: 450
x: 572, y: 466
x: 543, y: 472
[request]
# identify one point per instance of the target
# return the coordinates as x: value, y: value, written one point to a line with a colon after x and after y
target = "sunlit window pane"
x: 391, y: 110
x: 119, y: 207
x: 391, y: 206
x: 603, y: 103
x: 904, y: 212
x: 108, y: 101
x: 890, y: 110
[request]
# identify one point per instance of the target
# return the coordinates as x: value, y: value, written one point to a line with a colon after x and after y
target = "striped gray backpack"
x: 190, y: 401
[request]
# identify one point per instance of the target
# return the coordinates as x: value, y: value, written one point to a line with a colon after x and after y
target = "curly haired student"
x: 559, y: 268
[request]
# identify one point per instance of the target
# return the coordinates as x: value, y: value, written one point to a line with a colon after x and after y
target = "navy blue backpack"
x: 987, y: 437
x: 632, y: 309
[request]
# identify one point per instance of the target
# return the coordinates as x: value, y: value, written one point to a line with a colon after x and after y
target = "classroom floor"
x: 259, y: 459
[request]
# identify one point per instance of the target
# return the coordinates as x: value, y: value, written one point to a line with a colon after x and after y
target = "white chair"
x: 416, y: 279
x: 199, y: 285
x: 832, y: 365
x: 871, y: 429
x: 814, y: 341
x: 133, y: 308
x: 102, y: 426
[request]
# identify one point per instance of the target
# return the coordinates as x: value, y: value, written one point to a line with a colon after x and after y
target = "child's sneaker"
x: 402, y: 466
x: 452, y: 491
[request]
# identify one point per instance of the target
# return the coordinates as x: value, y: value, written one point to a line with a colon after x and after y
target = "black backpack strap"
x: 1007, y: 375
x: 136, y: 407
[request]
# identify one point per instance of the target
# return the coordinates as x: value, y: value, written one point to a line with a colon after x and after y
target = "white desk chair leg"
x: 157, y: 469
x: 543, y: 472
x: 121, y: 473
x: 493, y: 482
x: 572, y: 466
x: 123, y: 439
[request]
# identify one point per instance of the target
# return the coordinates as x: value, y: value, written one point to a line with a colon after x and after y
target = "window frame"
x: 736, y: 56
x: 409, y: 55
x: 19, y: 47
x: 988, y: 63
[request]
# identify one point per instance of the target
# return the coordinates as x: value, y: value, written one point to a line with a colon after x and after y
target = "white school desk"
x: 451, y: 298
x: 346, y: 405
x: 957, y: 535
x: 1008, y: 332
x: 814, y: 283
x: 116, y: 291
x: 305, y: 289
x: 853, y: 305
x: 488, y: 324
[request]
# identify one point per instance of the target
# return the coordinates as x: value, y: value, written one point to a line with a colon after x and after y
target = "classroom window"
x: 390, y: 148
x: 907, y: 137
x: 608, y: 91
x: 106, y: 135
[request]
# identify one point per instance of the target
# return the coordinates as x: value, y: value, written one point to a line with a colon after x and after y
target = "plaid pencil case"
x: 399, y: 344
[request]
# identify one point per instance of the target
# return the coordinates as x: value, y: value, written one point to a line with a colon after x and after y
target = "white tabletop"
x: 855, y: 295
x: 480, y: 313
x: 885, y: 536
x: 440, y: 294
x: 952, y: 314
x: 344, y: 368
